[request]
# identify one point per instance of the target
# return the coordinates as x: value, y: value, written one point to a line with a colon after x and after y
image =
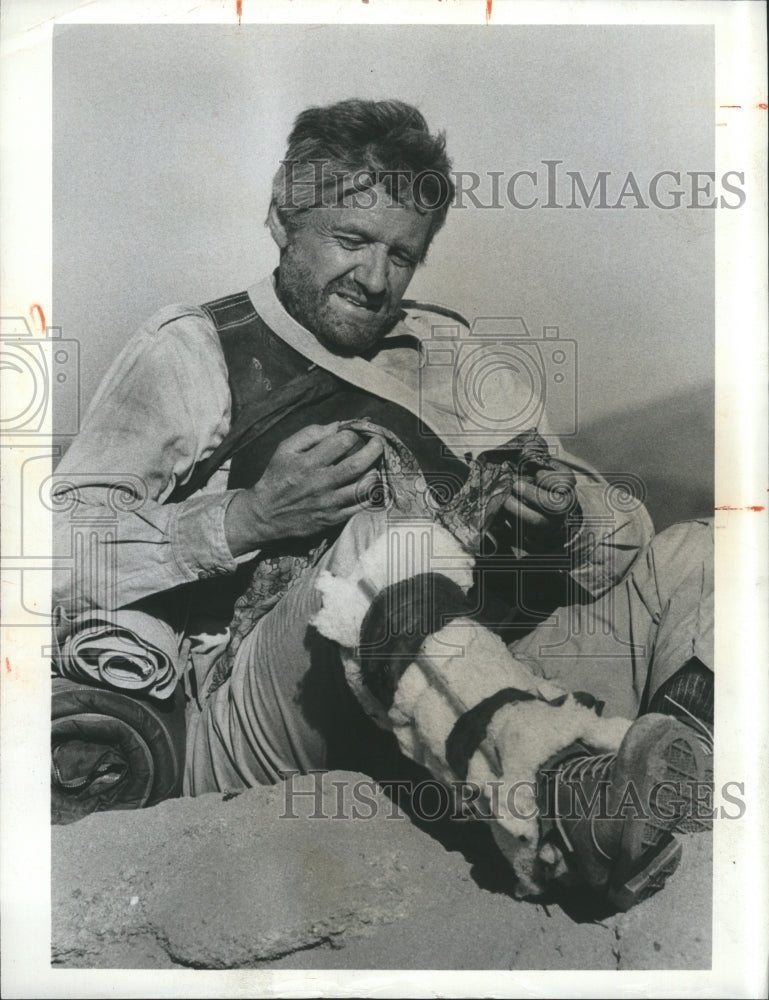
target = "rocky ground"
x: 222, y: 883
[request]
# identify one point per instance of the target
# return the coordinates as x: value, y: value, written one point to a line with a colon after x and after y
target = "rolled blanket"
x: 129, y: 650
x: 112, y: 750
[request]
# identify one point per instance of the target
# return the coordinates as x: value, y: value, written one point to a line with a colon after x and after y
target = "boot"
x: 688, y: 696
x: 613, y: 815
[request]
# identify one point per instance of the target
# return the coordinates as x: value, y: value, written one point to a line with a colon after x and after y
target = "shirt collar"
x: 266, y: 302
x: 356, y: 370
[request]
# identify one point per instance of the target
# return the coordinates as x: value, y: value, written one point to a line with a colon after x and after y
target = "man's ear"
x: 276, y: 226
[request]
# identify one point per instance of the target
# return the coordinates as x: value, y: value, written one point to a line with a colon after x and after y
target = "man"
x: 250, y: 435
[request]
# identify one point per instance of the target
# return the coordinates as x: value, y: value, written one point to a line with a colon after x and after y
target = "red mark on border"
x: 37, y: 310
x: 762, y: 107
x: 239, y: 9
x: 7, y: 665
x: 489, y: 4
x: 756, y: 508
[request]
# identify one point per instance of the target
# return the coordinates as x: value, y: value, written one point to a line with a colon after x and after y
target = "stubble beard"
x: 311, y: 306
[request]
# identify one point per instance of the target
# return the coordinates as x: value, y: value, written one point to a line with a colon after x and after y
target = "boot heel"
x: 649, y: 878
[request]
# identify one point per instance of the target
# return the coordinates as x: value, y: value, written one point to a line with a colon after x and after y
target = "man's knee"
x: 683, y: 552
x: 684, y: 542
x: 682, y: 584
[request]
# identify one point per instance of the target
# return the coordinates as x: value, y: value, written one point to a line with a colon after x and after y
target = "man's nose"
x: 372, y: 272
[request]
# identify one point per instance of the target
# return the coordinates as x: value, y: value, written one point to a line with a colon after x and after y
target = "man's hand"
x: 540, y: 504
x: 316, y: 479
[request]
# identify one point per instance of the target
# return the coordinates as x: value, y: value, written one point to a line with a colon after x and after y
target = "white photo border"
x: 741, y: 873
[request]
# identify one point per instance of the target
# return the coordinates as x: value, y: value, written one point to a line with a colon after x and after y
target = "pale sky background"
x: 166, y: 138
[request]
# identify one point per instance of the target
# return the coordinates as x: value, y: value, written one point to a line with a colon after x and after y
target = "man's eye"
x: 350, y: 242
x: 401, y: 260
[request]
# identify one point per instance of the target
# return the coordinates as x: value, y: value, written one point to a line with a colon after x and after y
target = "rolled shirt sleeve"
x: 163, y: 406
x: 612, y: 524
x: 614, y: 527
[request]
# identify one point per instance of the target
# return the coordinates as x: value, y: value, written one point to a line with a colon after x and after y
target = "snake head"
x: 526, y: 453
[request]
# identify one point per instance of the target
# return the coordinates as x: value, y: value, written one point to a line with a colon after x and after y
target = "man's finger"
x: 367, y: 491
x: 309, y: 436
x: 526, y: 515
x: 347, y: 512
x: 352, y: 468
x: 333, y: 447
x: 555, y: 479
x: 556, y: 500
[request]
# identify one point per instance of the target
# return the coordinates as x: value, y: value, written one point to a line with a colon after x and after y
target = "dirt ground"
x: 257, y: 881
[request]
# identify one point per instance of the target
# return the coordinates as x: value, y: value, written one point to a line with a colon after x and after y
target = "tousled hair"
x: 353, y: 145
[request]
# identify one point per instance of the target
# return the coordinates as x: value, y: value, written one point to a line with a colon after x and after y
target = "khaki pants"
x: 624, y: 645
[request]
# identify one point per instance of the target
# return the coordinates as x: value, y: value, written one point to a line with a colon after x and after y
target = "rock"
x: 267, y: 878
x: 224, y: 884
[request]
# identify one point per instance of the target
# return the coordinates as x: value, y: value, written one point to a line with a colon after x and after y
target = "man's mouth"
x: 355, y: 301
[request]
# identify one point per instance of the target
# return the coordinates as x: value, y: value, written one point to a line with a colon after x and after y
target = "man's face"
x: 344, y: 270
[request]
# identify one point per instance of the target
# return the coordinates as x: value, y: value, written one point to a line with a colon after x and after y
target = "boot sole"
x: 649, y: 879
x: 649, y: 852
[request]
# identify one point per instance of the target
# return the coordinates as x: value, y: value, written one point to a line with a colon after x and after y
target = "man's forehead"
x: 354, y: 194
x: 372, y: 210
